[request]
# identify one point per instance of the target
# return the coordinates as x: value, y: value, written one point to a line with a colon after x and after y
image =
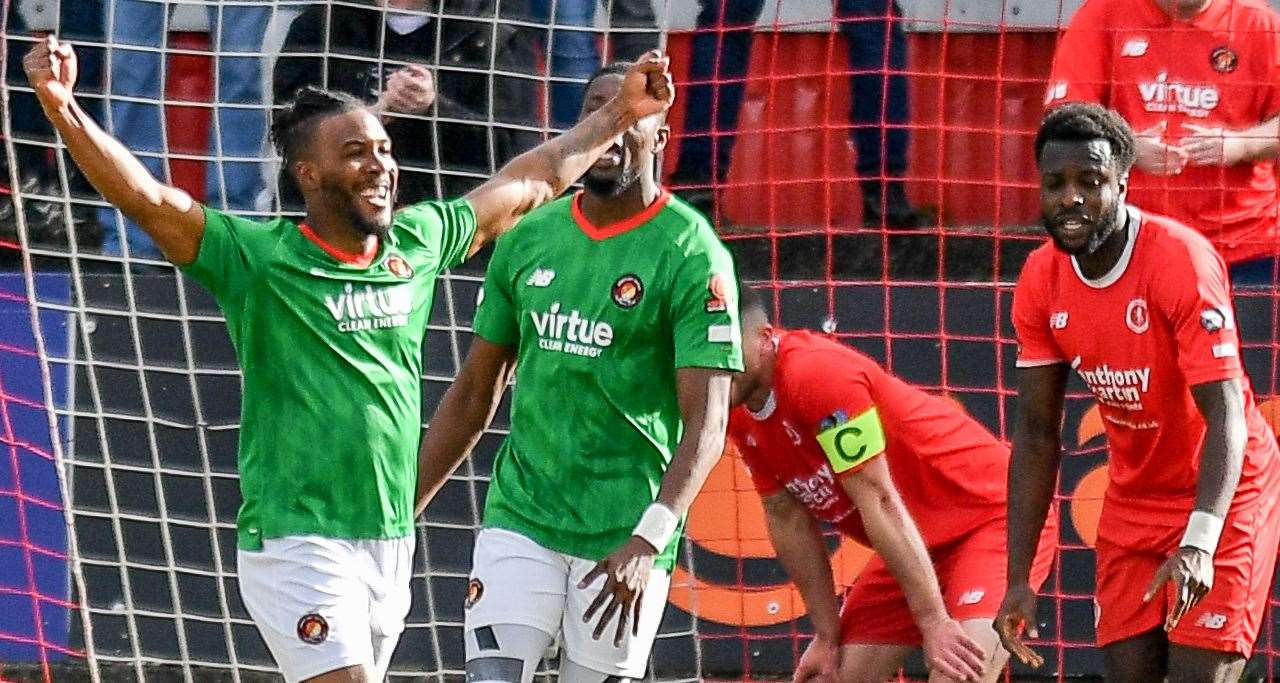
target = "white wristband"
x: 657, y: 525
x: 1203, y: 531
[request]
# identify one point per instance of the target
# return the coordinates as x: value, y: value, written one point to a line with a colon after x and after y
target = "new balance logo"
x: 972, y: 597
x: 1135, y: 47
x: 1058, y: 321
x: 540, y: 278
x: 1212, y: 621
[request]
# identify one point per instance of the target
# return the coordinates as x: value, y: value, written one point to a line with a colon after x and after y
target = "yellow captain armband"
x: 850, y: 442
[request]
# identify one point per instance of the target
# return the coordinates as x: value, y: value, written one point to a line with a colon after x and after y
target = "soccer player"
x: 830, y: 436
x: 618, y: 306
x: 1198, y: 78
x: 328, y: 318
x: 1139, y: 307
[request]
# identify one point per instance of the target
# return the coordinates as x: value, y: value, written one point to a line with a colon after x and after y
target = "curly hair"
x: 1083, y: 122
x: 291, y: 126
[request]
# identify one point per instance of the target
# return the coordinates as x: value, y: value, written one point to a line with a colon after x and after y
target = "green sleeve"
x: 448, y: 226
x: 704, y: 307
x: 496, y: 317
x: 224, y: 262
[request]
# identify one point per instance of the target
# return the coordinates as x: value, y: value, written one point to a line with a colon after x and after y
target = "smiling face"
x: 347, y: 169
x: 632, y: 155
x: 1082, y: 191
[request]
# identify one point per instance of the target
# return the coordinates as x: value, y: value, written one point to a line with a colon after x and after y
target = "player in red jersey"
x: 1139, y: 306
x: 1201, y: 80
x: 829, y: 435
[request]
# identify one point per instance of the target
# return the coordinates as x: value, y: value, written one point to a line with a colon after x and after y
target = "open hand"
x: 951, y: 652
x: 1214, y: 146
x: 819, y: 663
x: 1190, y: 571
x: 51, y: 69
x: 648, y: 88
x: 1018, y: 613
x: 626, y: 573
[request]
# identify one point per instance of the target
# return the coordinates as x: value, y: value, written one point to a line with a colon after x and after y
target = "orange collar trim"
x: 360, y: 260
x: 615, y: 229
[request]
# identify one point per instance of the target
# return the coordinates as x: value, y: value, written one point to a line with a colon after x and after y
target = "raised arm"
x: 895, y: 536
x: 1033, y: 475
x: 544, y: 172
x: 799, y: 546
x: 464, y: 412
x: 174, y: 221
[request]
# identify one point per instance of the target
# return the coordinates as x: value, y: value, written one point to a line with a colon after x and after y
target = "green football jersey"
x: 331, y: 355
x: 602, y: 318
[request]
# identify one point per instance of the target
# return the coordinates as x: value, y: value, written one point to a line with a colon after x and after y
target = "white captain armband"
x: 850, y: 442
x: 1203, y: 532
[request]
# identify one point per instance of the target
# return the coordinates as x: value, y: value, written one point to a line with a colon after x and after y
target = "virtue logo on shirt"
x: 1116, y: 387
x: 1162, y: 96
x: 570, y: 332
x: 370, y: 308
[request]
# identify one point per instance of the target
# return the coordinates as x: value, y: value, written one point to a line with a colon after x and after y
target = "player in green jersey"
x: 328, y: 317
x: 618, y: 306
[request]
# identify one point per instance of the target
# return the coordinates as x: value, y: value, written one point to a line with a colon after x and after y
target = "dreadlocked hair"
x: 291, y: 126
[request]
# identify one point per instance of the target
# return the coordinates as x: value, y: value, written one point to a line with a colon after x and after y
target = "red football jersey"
x: 950, y: 470
x: 1221, y: 68
x: 1140, y: 337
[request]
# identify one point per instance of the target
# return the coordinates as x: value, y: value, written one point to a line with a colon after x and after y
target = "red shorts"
x: 1228, y: 618
x: 971, y: 572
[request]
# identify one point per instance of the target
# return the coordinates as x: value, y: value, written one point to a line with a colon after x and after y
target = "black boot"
x: 885, y: 205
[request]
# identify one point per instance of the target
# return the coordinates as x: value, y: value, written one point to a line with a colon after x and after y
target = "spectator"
x: 1200, y: 81
x: 575, y: 53
x: 879, y: 111
x: 135, y: 58
x: 388, y: 56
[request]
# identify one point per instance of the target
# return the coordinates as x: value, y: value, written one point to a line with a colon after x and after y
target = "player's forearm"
x: 1263, y: 140
x: 455, y: 429
x: 700, y: 446
x: 121, y: 179
x: 895, y: 536
x: 1033, y: 476
x: 1222, y: 454
x: 550, y: 168
x: 798, y: 545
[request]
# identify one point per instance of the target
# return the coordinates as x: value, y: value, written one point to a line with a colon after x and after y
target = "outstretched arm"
x: 544, y: 172
x: 464, y: 412
x: 174, y: 221
x: 895, y: 536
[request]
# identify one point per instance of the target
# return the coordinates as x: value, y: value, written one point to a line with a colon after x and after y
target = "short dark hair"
x: 292, y: 125
x: 1083, y: 122
x: 610, y: 69
x: 752, y: 299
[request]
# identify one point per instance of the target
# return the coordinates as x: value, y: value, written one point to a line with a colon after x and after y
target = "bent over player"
x: 328, y: 317
x: 618, y: 307
x: 1139, y: 307
x: 829, y: 435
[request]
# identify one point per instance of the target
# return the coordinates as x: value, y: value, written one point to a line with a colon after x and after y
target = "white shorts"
x: 324, y: 604
x: 516, y: 581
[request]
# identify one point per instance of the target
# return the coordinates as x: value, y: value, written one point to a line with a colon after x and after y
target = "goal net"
x: 119, y: 390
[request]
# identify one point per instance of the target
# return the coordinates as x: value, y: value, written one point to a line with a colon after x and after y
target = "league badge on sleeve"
x: 1216, y: 318
x: 717, y: 293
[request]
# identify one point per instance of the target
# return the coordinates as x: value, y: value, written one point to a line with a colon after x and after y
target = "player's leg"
x: 876, y: 628
x: 1196, y: 665
x: 1138, y: 659
x: 311, y: 608
x: 515, y: 602
x: 587, y: 660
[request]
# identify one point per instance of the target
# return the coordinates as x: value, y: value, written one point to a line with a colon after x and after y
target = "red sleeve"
x: 1195, y: 296
x: 1269, y: 29
x: 756, y: 462
x: 819, y: 384
x: 1031, y: 318
x: 1080, y: 71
